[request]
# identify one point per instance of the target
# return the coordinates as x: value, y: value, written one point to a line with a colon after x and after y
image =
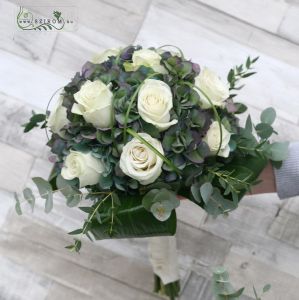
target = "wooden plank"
x: 50, y: 264
x: 190, y: 213
x: 60, y: 291
x: 251, y: 238
x: 197, y: 287
x: 110, y: 19
x: 19, y: 282
x: 15, y: 113
x: 246, y: 271
x: 72, y: 50
x: 204, y: 247
x: 285, y: 226
x: 289, y: 27
x: 135, y: 6
x: 229, y: 27
x: 33, y: 45
x: 15, y: 166
x: 92, y: 258
x: 29, y: 82
x: 253, y: 11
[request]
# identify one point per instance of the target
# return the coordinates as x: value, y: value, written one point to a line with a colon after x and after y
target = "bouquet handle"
x: 164, y: 259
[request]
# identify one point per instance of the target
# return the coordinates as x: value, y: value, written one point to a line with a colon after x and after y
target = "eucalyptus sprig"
x: 224, y: 290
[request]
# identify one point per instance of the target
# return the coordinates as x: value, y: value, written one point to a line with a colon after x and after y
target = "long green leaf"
x: 133, y: 221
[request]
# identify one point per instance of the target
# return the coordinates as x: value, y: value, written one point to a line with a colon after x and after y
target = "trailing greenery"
x: 223, y: 289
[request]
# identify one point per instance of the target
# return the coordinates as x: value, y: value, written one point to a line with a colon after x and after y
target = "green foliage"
x: 17, y: 205
x: 45, y: 191
x: 223, y: 289
x: 264, y: 130
x: 72, y: 195
x: 132, y: 220
x: 160, y: 202
x: 240, y: 72
x: 29, y: 197
x: 268, y: 115
x: 277, y: 151
x: 240, y: 108
x: 266, y: 289
x: 34, y: 121
x: 206, y: 191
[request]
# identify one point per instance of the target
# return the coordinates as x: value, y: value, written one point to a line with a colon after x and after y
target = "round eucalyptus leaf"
x: 160, y: 211
x: 268, y: 115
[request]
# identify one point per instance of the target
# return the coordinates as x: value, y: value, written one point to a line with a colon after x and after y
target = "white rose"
x: 94, y: 103
x: 213, y: 87
x: 155, y: 102
x: 104, y: 56
x: 140, y: 162
x: 212, y: 138
x: 148, y: 58
x: 83, y: 166
x: 58, y: 118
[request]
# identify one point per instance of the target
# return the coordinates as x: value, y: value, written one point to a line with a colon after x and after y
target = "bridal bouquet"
x: 136, y: 128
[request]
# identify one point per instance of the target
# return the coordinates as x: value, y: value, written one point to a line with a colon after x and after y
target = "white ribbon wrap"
x: 164, y: 258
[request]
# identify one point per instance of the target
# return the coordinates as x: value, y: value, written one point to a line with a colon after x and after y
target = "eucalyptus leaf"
x: 217, y: 204
x: 277, y: 151
x: 206, y: 191
x: 264, y: 130
x: 72, y: 195
x: 222, y: 288
x: 233, y: 295
x: 29, y: 197
x: 195, y: 191
x: 45, y: 191
x: 149, y: 199
x: 169, y: 196
x: 268, y: 115
x: 160, y: 211
x: 18, y: 205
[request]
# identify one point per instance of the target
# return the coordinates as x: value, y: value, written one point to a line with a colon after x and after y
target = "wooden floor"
x: 258, y: 243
